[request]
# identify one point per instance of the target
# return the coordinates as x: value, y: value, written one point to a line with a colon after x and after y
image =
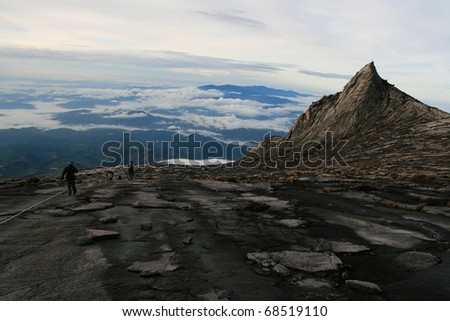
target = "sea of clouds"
x: 74, y: 106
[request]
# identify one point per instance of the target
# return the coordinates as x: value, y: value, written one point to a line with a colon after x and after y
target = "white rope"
x: 29, y: 208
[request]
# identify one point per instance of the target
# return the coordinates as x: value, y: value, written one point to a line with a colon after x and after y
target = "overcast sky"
x: 305, y: 45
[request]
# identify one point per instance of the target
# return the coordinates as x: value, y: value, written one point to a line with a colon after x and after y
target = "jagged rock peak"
x: 362, y: 99
x: 369, y: 69
x: 378, y: 120
x: 366, y: 78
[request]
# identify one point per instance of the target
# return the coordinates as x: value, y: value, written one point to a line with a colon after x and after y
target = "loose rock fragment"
x: 102, y: 234
x: 188, y: 240
x: 281, y: 269
x: 416, y: 261
x: 363, y: 286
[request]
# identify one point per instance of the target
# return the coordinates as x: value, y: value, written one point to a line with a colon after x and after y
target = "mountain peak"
x: 366, y: 78
x: 368, y: 110
x: 369, y: 71
x: 369, y: 68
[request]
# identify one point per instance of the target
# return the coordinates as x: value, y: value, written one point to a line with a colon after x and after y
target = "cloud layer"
x: 183, y: 109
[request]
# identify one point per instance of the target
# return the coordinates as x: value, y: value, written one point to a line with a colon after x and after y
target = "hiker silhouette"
x: 69, y: 173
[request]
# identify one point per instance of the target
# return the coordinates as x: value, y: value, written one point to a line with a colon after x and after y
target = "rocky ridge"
x: 381, y: 125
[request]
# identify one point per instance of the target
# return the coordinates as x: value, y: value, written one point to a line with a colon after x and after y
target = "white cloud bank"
x: 180, y: 109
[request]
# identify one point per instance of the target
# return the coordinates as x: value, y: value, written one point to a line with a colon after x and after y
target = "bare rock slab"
x: 416, y: 261
x: 157, y: 267
x: 304, y: 261
x: 96, y: 206
x: 347, y: 247
x: 322, y: 245
x: 282, y: 270
x: 309, y: 262
x: 313, y: 283
x: 363, y: 286
x: 291, y: 223
x: 102, y: 234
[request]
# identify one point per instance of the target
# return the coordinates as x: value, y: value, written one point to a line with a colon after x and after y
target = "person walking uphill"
x: 69, y: 172
x: 131, y: 171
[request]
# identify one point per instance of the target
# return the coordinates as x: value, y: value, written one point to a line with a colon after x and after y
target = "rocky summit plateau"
x: 365, y: 216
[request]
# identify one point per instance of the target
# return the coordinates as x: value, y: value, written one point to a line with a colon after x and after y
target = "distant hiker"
x: 109, y: 175
x: 131, y: 171
x: 69, y: 172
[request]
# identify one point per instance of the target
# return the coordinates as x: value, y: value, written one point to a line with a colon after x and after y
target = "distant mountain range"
x: 45, y: 127
x: 261, y: 94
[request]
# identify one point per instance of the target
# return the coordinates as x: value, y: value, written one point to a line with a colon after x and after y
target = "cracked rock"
x: 157, y: 267
x: 304, y: 261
